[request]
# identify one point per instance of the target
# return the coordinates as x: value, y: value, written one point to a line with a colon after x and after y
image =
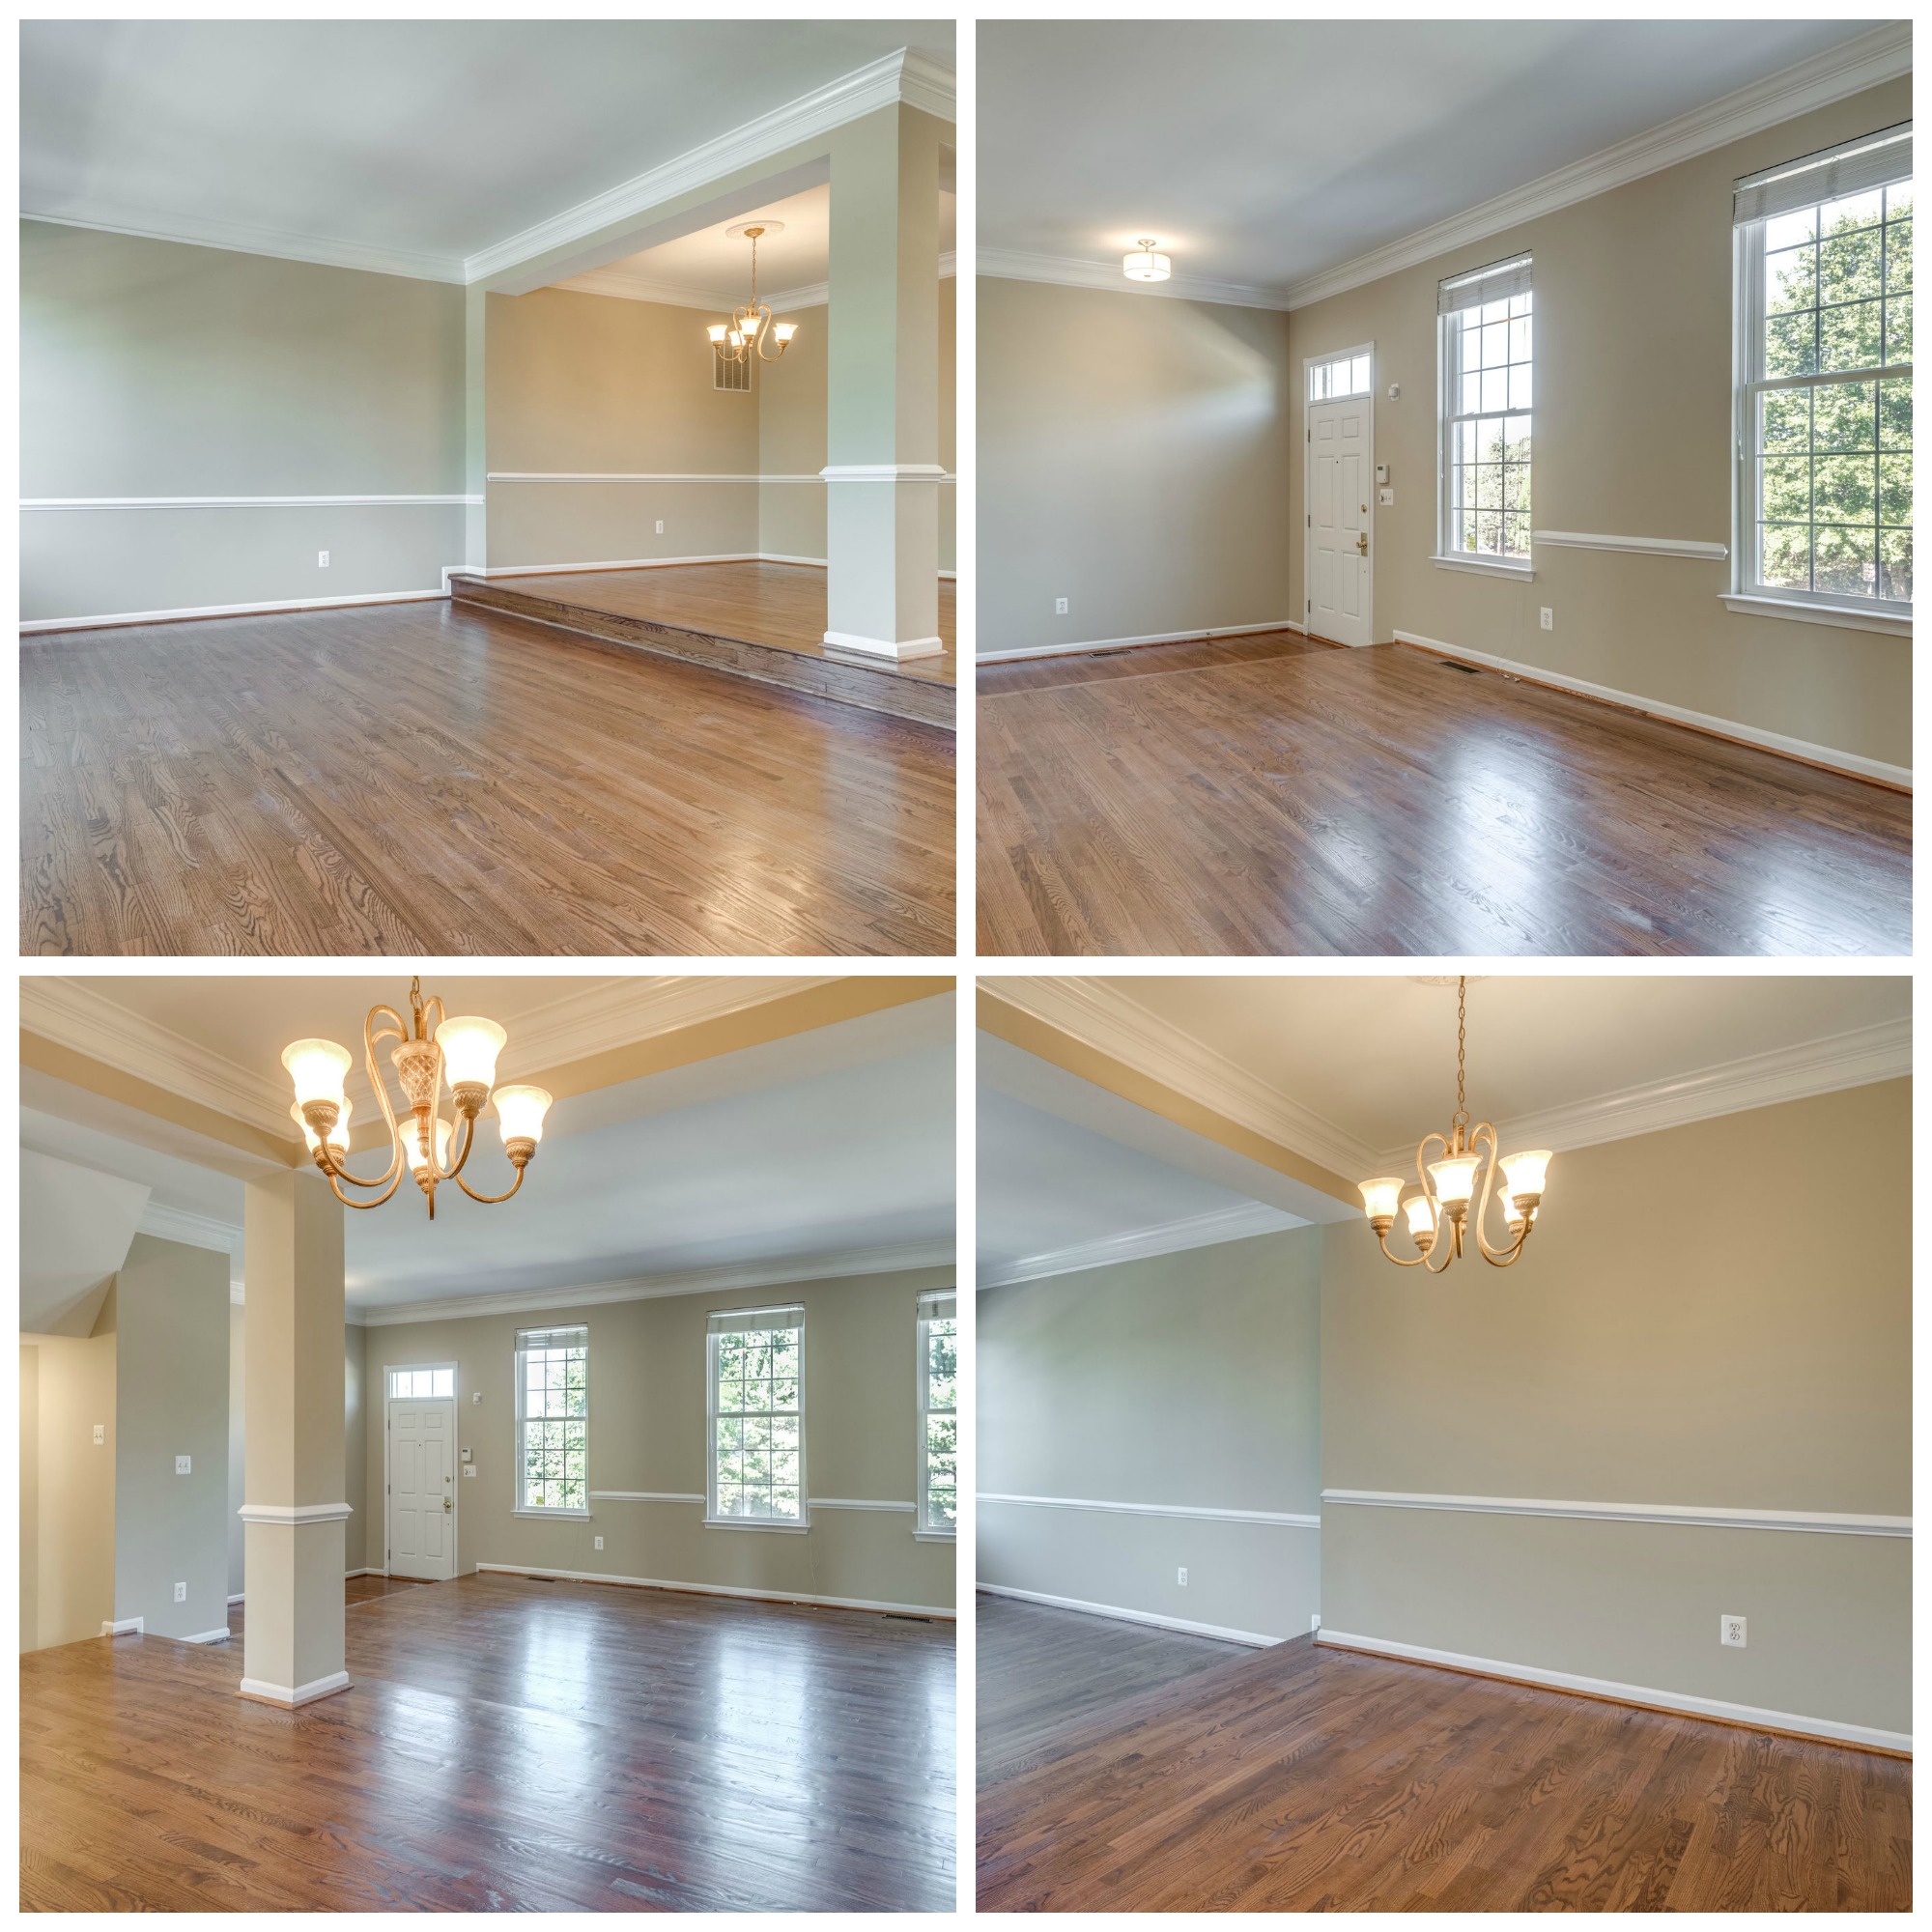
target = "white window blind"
x: 1496, y: 283
x: 1832, y: 174
x: 553, y: 1421
x: 755, y: 1371
x: 938, y: 1412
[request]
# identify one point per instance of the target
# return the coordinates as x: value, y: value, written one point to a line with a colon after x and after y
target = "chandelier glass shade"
x: 432, y: 1051
x: 1456, y: 1187
x: 751, y: 328
x: 1143, y: 265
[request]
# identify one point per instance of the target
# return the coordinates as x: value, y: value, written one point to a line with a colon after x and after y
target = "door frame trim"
x: 455, y: 1494
x: 1308, y: 362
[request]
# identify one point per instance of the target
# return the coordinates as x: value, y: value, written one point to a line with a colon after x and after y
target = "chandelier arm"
x: 390, y: 1175
x: 330, y: 1174
x: 1446, y: 1239
x: 490, y: 1200
x: 1420, y: 1261
x: 1489, y: 1175
x: 462, y: 1159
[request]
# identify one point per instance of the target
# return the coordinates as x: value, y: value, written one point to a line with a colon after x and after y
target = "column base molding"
x: 880, y: 647
x: 280, y: 1696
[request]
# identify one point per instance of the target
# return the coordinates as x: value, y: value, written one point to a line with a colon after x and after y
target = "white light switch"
x: 470, y: 1468
x: 184, y: 1465
x: 661, y: 526
x: 1384, y: 496
x: 100, y: 1435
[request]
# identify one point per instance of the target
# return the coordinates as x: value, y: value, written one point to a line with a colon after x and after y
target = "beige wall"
x: 1633, y: 354
x: 355, y: 1535
x: 157, y: 369
x: 647, y: 1434
x: 791, y: 401
x: 1135, y: 456
x: 73, y: 1560
x: 1190, y: 1379
x: 237, y: 1467
x: 30, y: 1497
x: 1705, y: 1317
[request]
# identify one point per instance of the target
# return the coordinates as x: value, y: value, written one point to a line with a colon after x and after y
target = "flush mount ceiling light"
x: 1143, y: 264
x: 1440, y: 1215
x: 462, y: 1051
x: 752, y: 327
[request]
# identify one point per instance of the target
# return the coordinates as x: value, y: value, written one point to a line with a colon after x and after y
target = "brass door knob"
x: 1362, y: 542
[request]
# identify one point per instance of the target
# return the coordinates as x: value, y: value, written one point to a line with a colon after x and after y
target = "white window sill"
x: 1486, y: 566
x: 755, y: 1523
x: 1842, y: 616
x: 935, y: 1536
x: 554, y: 1516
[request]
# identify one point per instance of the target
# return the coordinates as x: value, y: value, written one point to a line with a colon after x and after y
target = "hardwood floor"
x: 1042, y: 1672
x: 1244, y: 797
x: 505, y: 1744
x: 417, y: 779
x: 1304, y: 1778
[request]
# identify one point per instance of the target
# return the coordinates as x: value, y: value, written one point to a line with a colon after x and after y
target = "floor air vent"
x: 1453, y: 664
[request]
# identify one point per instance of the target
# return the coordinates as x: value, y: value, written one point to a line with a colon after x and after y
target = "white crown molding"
x: 1829, y: 1522
x: 1070, y: 271
x: 1882, y: 55
x: 1253, y: 1638
x: 627, y: 287
x: 901, y: 76
x: 1710, y: 552
x: 1195, y: 1230
x: 240, y: 502
x: 730, y: 1278
x: 1626, y: 1693
x: 197, y: 1230
x: 1275, y: 1518
x: 244, y: 237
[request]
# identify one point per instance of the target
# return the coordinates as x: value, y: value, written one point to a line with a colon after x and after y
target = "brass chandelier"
x: 1439, y: 1217
x: 752, y: 327
x: 430, y: 1049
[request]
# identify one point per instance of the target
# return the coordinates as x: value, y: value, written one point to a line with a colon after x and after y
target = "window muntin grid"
x: 1488, y: 368
x: 938, y: 1417
x: 419, y: 1384
x: 1340, y: 376
x: 1826, y: 401
x: 554, y: 1422
x: 758, y: 1425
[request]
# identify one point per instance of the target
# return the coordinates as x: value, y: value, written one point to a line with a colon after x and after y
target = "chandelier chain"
x: 1462, y: 1119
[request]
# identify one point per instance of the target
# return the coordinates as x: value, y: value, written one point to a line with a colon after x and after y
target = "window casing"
x: 938, y: 1413
x: 552, y: 1422
x: 1823, y: 395
x: 1487, y: 366
x: 755, y: 1373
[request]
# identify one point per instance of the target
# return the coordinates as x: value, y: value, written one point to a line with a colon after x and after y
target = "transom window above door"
x: 1340, y: 376
x: 418, y: 1384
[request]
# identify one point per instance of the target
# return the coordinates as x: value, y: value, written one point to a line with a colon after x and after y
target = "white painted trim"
x: 1625, y: 1694
x: 613, y: 281
x: 1837, y: 616
x: 239, y: 503
x: 760, y: 1523
x: 198, y: 1231
x: 887, y: 473
x: 456, y: 1480
x: 647, y: 476
x: 1067, y: 272
x: 1308, y: 405
x: 1676, y: 714
x: 117, y: 619
x: 494, y: 569
x: 1254, y: 1639
x: 1680, y: 1514
x: 1237, y: 1223
x: 898, y: 652
x: 297, y: 1515
x: 651, y: 1288
x: 1885, y: 54
x: 856, y: 1503
x: 935, y: 1535
x: 221, y: 1636
x: 1194, y: 1513
x: 1130, y: 643
x: 302, y: 1693
x: 717, y: 1590
x: 1483, y: 566
x: 642, y: 1497
x: 127, y: 1627
x: 1713, y: 552
x: 241, y: 1596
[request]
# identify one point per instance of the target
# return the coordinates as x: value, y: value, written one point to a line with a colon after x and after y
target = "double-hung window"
x: 756, y: 1418
x: 938, y: 1413
x: 1824, y: 379
x: 554, y: 1422
x: 1485, y: 362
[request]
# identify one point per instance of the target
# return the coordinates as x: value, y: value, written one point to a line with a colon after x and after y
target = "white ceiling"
x: 1261, y: 153
x: 423, y: 141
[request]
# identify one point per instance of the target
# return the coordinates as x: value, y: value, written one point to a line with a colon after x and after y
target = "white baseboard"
x: 302, y: 1693
x: 221, y: 1636
x: 127, y: 1627
x: 1676, y: 1701
x: 238, y: 1599
x: 40, y: 625
x: 1254, y: 1638
x: 1129, y: 644
x: 715, y: 1589
x: 346, y: 1573
x: 1676, y: 714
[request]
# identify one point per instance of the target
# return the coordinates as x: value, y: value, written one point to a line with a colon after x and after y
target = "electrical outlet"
x: 1059, y: 606
x: 1183, y: 1578
x: 100, y: 1435
x: 322, y: 559
x: 181, y: 1593
x: 661, y: 526
x: 475, y: 1395
x: 1315, y: 1622
x: 1731, y: 1631
x: 597, y: 1543
x: 184, y: 1465
x: 1547, y: 617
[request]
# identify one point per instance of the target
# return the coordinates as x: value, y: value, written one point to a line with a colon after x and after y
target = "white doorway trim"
x: 456, y: 1486
x: 1309, y: 362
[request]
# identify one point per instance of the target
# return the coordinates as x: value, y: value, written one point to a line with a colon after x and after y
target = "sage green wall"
x: 1705, y: 1317
x: 1634, y: 357
x: 158, y: 369
x: 238, y: 1466
x: 1136, y: 455
x: 356, y: 1450
x: 647, y: 1434
x: 1192, y: 1379
x: 171, y: 1399
x: 72, y: 1559
x: 30, y: 1495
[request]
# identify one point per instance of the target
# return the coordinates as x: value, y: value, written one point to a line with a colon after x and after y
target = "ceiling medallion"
x: 752, y: 327
x: 462, y: 1051
x: 1438, y: 1217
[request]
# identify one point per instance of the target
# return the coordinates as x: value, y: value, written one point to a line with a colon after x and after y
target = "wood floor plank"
x: 506, y: 1743
x: 1304, y: 1778
x: 421, y: 779
x: 1251, y: 796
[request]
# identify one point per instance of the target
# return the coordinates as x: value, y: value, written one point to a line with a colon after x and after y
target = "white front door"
x: 422, y: 1488
x: 1341, y: 486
